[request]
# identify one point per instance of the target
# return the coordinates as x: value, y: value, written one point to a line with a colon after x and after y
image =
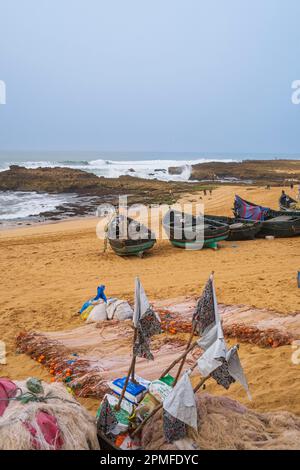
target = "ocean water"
x: 16, y: 205
x: 141, y: 166
x: 149, y: 165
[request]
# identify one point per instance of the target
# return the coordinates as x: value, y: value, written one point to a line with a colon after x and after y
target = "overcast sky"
x: 144, y: 75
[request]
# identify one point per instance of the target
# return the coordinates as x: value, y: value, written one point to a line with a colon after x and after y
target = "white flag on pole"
x: 236, y: 370
x: 210, y: 335
x: 141, y: 303
x: 210, y: 359
x: 181, y: 403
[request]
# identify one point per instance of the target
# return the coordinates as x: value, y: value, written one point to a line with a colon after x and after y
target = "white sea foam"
x: 148, y: 169
x: 15, y: 205
x: 19, y: 205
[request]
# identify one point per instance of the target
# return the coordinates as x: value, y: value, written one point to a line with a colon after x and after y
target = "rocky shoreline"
x: 274, y: 172
x: 90, y: 190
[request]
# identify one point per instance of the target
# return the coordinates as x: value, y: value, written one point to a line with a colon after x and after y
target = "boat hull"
x: 182, y: 231
x: 289, y: 210
x: 127, y: 237
x: 280, y: 228
x: 239, y: 229
x: 123, y: 248
x: 279, y: 224
x: 194, y: 245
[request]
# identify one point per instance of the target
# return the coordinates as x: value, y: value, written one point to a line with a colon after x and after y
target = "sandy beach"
x: 48, y: 271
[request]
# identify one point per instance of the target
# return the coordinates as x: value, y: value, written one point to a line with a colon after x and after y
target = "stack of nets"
x: 20, y: 424
x: 245, y: 324
x: 224, y: 424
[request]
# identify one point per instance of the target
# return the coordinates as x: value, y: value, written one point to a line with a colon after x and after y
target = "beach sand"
x: 48, y: 271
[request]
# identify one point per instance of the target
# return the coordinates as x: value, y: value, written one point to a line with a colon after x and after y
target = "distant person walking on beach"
x: 210, y: 192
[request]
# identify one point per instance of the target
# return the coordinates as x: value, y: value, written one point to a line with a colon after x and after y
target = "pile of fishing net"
x: 87, y: 358
x: 226, y: 424
x: 36, y: 415
x: 246, y: 324
x: 80, y: 375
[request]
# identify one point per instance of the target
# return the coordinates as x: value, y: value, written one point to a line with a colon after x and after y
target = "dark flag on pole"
x: 107, y: 420
x: 146, y: 321
x: 206, y: 313
x: 221, y: 374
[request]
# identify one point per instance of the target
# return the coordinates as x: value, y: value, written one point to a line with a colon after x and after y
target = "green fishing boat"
x: 128, y: 237
x: 193, y: 233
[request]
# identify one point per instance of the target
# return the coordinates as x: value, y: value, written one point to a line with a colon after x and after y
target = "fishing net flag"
x: 236, y: 370
x: 146, y: 321
x: 179, y: 410
x: 221, y: 364
x: 141, y: 302
x: 222, y: 375
x: 206, y: 313
x: 174, y: 429
x: 213, y: 361
x: 214, y: 354
x: 230, y: 371
x: 106, y: 420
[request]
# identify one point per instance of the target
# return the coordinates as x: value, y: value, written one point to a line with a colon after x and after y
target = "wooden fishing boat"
x: 282, y: 226
x: 275, y: 223
x: 193, y: 233
x: 127, y: 236
x: 239, y: 229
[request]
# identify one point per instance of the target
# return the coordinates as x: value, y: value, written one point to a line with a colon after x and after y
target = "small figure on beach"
x: 283, y: 198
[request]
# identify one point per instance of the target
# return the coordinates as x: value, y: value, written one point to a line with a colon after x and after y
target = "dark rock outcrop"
x: 175, y: 170
x: 50, y: 180
x: 258, y: 171
x: 67, y: 180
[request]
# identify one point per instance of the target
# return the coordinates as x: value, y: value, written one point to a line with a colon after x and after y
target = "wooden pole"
x: 134, y: 357
x: 187, y: 348
x: 130, y: 371
x: 159, y: 407
x: 184, y: 357
x: 118, y: 405
x: 173, y: 364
